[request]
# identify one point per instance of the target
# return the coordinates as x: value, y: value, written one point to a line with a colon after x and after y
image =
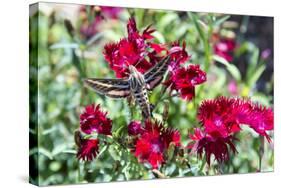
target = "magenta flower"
x: 179, y: 55
x: 153, y: 142
x: 184, y: 80
x: 225, y: 48
x: 258, y: 117
x: 221, y: 118
x: 94, y: 120
x: 217, y: 117
x: 218, y: 146
x: 133, y: 50
x: 88, y: 149
x: 89, y: 29
x: 225, y: 115
x: 232, y: 87
x: 135, y: 128
x: 265, y: 54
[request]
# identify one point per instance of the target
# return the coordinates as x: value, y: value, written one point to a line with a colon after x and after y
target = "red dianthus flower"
x: 185, y: 79
x: 135, y: 128
x: 133, y: 50
x: 179, y: 55
x: 225, y: 48
x: 208, y: 144
x: 89, y: 29
x: 221, y: 118
x: 88, y: 149
x: 154, y: 142
x: 93, y: 119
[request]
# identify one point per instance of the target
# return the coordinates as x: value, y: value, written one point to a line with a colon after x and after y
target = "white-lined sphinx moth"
x: 135, y: 85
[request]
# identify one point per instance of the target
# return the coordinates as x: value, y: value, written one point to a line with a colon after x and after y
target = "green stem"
x: 220, y: 168
x: 164, y: 98
x: 159, y: 174
x: 261, y: 152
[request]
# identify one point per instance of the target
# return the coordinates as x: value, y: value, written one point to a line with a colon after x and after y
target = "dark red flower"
x: 224, y: 116
x: 225, y: 47
x: 99, y: 13
x: 217, y: 117
x: 93, y: 119
x: 154, y: 141
x: 133, y: 50
x: 184, y: 80
x: 218, y: 146
x: 178, y: 54
x: 258, y: 117
x: 221, y: 118
x: 132, y: 28
x: 88, y: 149
x: 135, y: 128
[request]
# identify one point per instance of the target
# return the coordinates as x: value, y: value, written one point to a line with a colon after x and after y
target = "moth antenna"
x: 120, y: 66
x: 140, y: 60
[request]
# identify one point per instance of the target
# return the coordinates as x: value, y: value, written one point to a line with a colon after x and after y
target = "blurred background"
x: 66, y: 45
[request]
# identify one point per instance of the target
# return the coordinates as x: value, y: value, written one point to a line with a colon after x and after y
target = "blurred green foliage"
x: 61, y: 60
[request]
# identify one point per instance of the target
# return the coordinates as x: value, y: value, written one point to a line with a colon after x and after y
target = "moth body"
x: 136, y: 85
x: 139, y: 91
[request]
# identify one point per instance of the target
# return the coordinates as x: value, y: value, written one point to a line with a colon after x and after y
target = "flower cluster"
x: 137, y: 49
x: 184, y: 80
x: 153, y: 141
x: 221, y: 118
x: 99, y: 13
x: 92, y: 121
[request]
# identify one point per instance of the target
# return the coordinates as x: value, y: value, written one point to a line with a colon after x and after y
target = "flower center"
x: 155, y: 148
x: 218, y: 121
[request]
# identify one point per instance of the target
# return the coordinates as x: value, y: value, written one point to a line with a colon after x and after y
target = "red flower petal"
x: 184, y: 79
x: 154, y: 141
x: 135, y: 128
x: 93, y: 119
x: 88, y: 150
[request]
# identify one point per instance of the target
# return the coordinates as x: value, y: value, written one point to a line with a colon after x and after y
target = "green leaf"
x: 256, y: 75
x: 64, y: 45
x: 219, y: 21
x: 253, y: 63
x: 255, y: 57
x: 126, y: 171
x: 233, y: 70
x: 77, y: 63
x: 195, y: 19
x: 94, y: 38
x: 49, y: 131
x: 245, y: 46
x: 171, y: 151
x: 159, y: 37
x: 59, y: 149
x: 69, y: 151
x: 114, y: 154
x: 46, y: 153
x: 167, y: 20
x: 102, y: 151
x: 119, y: 131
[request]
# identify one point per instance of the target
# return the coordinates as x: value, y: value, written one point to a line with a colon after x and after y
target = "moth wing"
x: 154, y: 76
x: 114, y: 88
